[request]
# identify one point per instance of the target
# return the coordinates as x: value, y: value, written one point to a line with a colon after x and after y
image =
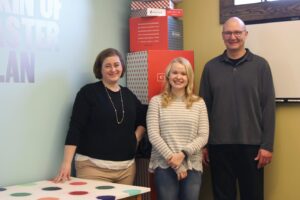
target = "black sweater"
x: 93, y: 126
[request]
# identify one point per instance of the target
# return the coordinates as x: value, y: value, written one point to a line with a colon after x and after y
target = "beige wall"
x: 282, y: 176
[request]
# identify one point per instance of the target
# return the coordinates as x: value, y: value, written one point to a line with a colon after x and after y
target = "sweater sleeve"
x: 202, y: 134
x: 268, y: 109
x: 205, y: 92
x: 79, y: 118
x: 153, y: 129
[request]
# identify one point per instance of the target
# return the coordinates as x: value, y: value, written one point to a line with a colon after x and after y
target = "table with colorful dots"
x: 75, y: 189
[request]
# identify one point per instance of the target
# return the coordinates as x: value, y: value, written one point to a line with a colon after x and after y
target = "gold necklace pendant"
x: 112, y: 103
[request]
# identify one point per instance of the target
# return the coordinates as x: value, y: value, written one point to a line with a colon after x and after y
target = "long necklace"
x: 112, y: 103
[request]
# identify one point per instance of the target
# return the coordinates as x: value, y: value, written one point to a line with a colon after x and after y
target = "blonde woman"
x: 178, y: 129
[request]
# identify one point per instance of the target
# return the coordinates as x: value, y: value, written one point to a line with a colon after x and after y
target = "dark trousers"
x: 233, y: 165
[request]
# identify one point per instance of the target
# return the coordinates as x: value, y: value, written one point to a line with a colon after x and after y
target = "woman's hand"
x: 64, y: 174
x: 181, y: 172
x: 182, y: 175
x: 65, y: 169
x: 176, y: 160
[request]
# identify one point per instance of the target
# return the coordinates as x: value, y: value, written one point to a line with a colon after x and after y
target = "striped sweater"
x: 177, y: 128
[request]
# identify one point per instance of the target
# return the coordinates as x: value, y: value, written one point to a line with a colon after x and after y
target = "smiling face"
x: 234, y: 35
x: 178, y: 78
x: 111, y: 69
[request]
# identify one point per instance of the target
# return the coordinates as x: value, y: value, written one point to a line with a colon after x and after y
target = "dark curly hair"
x: 102, y: 56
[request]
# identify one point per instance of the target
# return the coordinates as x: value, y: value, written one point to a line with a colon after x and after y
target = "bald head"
x: 234, y: 36
x: 236, y: 22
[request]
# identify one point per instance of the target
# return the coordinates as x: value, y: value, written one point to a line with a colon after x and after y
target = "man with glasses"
x: 238, y: 89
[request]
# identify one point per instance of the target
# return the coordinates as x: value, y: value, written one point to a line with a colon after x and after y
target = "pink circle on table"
x: 78, y: 183
x: 49, y: 198
x: 78, y: 193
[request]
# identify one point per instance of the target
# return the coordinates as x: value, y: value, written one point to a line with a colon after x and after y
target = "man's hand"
x: 263, y: 157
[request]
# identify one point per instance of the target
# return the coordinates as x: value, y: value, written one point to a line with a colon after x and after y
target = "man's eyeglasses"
x: 235, y: 33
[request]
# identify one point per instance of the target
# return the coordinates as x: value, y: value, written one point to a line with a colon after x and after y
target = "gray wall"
x: 46, y: 55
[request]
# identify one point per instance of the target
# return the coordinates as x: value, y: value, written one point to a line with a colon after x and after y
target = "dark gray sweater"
x: 240, y: 99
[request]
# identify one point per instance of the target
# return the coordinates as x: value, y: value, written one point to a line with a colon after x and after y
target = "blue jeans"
x: 168, y: 187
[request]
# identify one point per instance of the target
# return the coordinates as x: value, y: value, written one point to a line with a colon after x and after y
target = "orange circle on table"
x: 78, y: 193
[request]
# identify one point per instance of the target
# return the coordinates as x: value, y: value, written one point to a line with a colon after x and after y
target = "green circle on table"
x: 105, y: 187
x: 51, y: 188
x: 20, y: 194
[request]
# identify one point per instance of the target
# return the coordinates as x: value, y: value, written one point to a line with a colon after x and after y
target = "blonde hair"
x: 167, y: 95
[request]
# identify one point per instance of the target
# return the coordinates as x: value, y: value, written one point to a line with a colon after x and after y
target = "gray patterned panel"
x: 137, y: 74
